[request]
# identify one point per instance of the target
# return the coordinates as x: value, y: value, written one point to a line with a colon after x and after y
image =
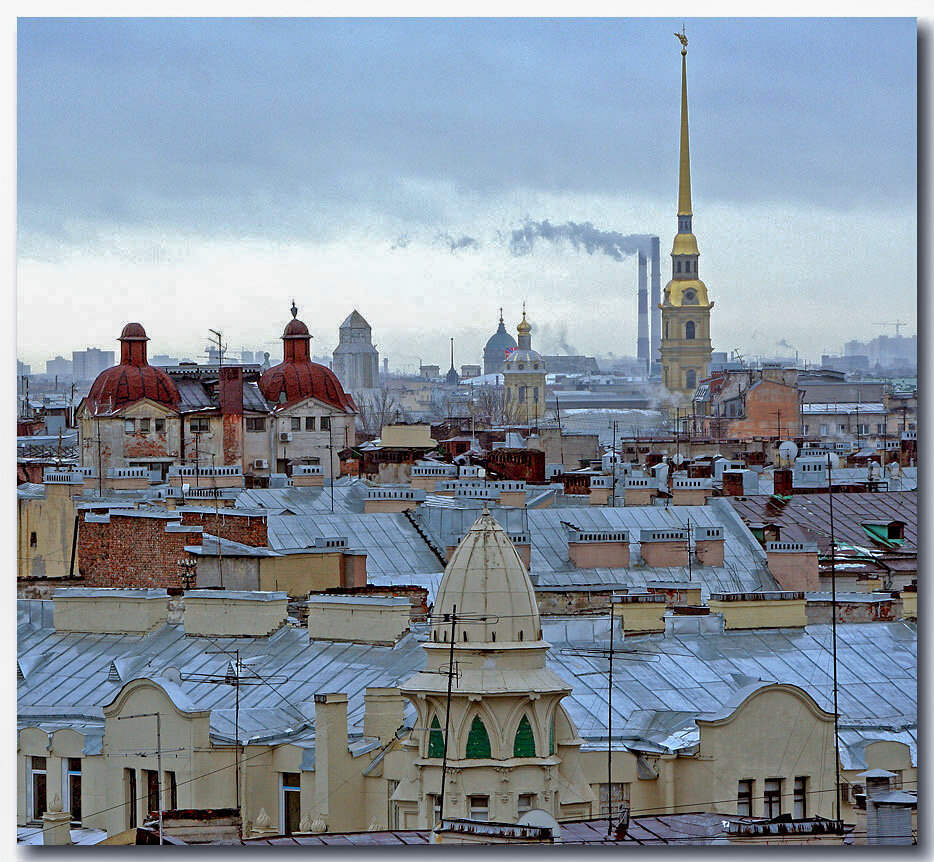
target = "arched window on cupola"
x: 524, y: 743
x: 435, y: 739
x: 478, y: 741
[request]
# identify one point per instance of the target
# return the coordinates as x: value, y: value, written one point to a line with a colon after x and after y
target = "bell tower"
x: 685, y: 345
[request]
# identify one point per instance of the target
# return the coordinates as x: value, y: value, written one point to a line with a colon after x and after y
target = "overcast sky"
x: 200, y: 173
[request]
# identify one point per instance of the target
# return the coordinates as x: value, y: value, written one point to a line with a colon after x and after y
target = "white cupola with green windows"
x: 512, y: 746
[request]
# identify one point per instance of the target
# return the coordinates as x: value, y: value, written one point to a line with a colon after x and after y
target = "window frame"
x: 203, y: 425
x: 800, y: 797
x: 745, y: 792
x: 325, y: 423
x: 772, y: 797
x: 285, y: 798
x: 480, y: 806
x: 68, y: 796
x: 253, y: 421
x: 296, y: 423
x: 129, y: 426
x: 159, y: 426
x: 144, y: 425
x: 310, y: 424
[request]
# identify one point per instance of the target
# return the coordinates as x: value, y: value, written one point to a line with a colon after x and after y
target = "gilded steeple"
x: 684, y: 178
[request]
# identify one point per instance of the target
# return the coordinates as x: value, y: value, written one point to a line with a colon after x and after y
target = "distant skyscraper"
x: 355, y: 359
x: 59, y: 366
x: 87, y: 364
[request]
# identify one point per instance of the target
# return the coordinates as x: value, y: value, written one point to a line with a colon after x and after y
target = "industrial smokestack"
x: 656, y: 301
x: 642, y: 344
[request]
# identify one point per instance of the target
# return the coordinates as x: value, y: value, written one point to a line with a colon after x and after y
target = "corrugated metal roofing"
x: 656, y: 691
x: 348, y: 499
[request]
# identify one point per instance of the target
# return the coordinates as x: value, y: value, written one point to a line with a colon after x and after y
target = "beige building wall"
x: 45, y: 534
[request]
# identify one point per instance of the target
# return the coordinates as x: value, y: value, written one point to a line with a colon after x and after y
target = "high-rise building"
x: 87, y: 364
x: 685, y: 346
x: 58, y: 367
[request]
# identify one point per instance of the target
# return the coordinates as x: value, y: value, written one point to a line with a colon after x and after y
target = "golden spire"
x: 524, y: 328
x: 684, y: 180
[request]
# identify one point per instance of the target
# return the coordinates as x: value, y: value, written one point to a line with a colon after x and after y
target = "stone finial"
x: 318, y: 825
x: 305, y: 823
x: 262, y: 819
x: 374, y: 826
x: 55, y: 806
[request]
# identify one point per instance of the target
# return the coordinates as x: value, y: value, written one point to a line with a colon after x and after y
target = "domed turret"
x: 486, y: 577
x: 297, y: 377
x: 494, y: 354
x: 133, y: 379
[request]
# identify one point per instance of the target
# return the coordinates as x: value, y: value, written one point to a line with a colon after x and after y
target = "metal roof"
x: 809, y: 515
x: 348, y: 498
x: 657, y: 693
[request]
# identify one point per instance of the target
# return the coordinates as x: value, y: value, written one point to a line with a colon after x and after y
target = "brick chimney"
x: 230, y: 396
x: 598, y: 549
x: 661, y: 548
x: 708, y: 544
x: 793, y: 565
x: 783, y: 482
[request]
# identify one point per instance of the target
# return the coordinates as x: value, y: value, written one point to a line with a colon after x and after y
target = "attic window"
x: 32, y: 540
x: 891, y: 533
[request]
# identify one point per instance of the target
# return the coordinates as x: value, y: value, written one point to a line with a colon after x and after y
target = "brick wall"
x: 247, y: 529
x: 132, y: 552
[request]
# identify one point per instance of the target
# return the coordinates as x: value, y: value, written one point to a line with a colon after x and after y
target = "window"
x: 689, y: 330
x: 800, y: 797
x: 551, y: 736
x: 129, y: 426
x: 478, y: 740
x: 535, y: 395
x: 144, y: 425
x: 151, y: 780
x: 524, y: 743
x: 880, y: 428
x: 255, y: 423
x: 614, y: 797
x: 159, y: 426
x: 772, y: 798
x: 309, y: 423
x: 744, y: 798
x: 325, y: 423
x: 521, y: 393
x: 435, y: 739
x: 290, y: 802
x: 172, y: 786
x: 823, y: 430
x: 434, y: 807
x: 129, y: 781
x: 296, y: 423
x: 677, y: 266
x: 32, y: 540
x: 526, y: 803
x: 72, y: 787
x: 690, y: 378
x: 804, y: 429
x: 38, y: 786
x: 199, y: 426
x: 479, y: 807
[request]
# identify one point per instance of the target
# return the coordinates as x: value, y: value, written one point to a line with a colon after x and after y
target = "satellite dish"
x: 678, y: 459
x: 538, y: 817
x: 788, y: 450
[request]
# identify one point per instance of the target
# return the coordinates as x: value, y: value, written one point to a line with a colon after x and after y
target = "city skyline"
x: 374, y: 186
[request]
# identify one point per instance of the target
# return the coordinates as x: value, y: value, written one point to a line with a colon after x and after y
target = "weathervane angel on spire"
x: 682, y: 38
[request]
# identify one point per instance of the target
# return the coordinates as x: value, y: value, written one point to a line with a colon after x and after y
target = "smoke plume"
x: 458, y: 243
x: 584, y: 235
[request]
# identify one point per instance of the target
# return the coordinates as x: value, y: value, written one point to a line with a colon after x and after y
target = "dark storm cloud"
x: 292, y: 129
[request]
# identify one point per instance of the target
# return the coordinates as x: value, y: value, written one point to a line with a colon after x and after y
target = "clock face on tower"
x: 690, y: 296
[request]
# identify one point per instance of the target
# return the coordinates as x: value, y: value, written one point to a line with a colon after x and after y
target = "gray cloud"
x: 459, y: 243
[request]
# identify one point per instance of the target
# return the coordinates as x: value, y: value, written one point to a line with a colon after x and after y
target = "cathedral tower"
x: 524, y: 379
x: 685, y: 346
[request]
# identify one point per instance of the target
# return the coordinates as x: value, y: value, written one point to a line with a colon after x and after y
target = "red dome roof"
x: 297, y: 377
x: 300, y: 380
x: 296, y: 329
x: 134, y: 378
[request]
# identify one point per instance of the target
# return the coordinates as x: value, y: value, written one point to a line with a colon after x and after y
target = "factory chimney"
x: 642, y: 345
x: 656, y: 304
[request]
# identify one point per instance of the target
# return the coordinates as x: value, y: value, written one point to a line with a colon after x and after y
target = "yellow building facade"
x: 685, y: 345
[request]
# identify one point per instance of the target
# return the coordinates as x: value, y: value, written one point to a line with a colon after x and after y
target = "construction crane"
x: 898, y: 324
